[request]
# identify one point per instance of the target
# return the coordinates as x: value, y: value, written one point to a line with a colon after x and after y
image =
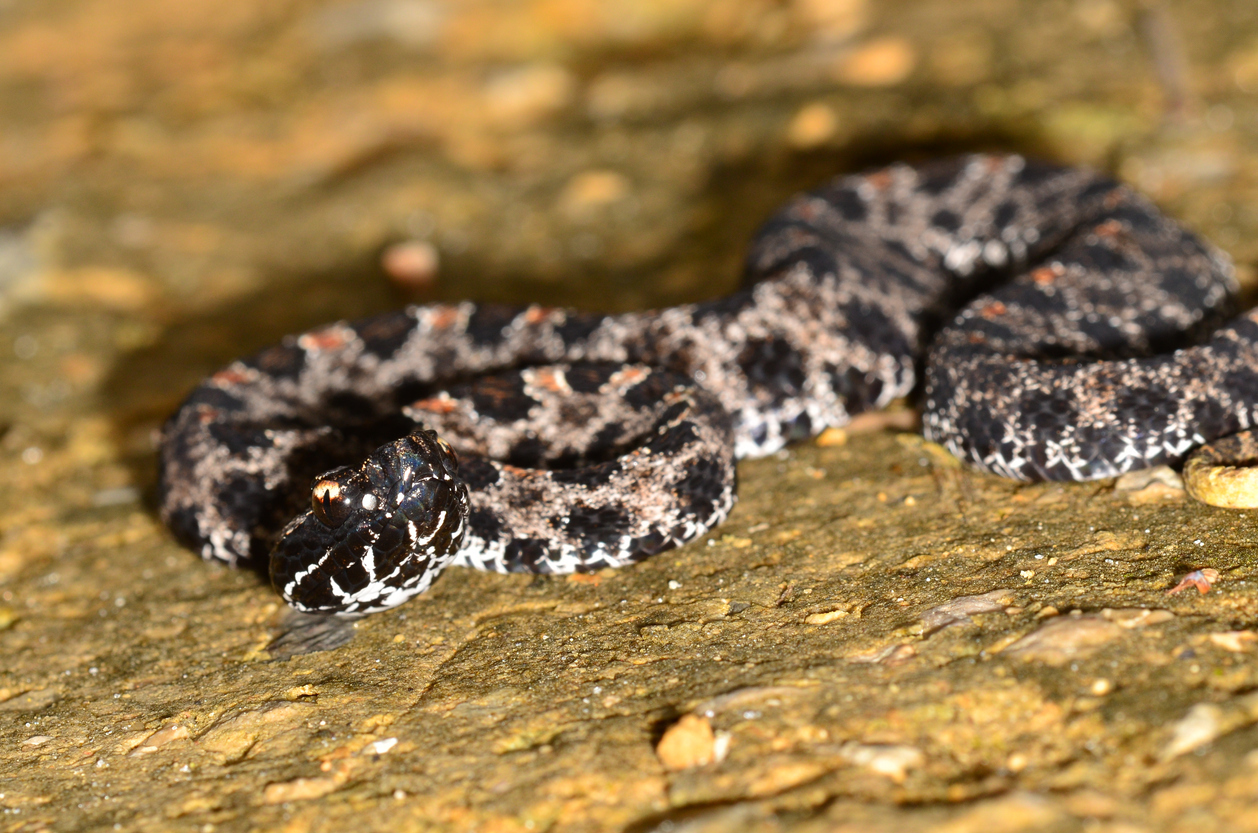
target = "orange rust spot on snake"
x: 548, y: 379
x: 538, y: 315
x: 880, y: 179
x: 444, y: 317
x: 1045, y: 275
x: 328, y: 339
x: 1109, y: 228
x: 628, y: 376
x: 233, y: 376
x: 442, y: 404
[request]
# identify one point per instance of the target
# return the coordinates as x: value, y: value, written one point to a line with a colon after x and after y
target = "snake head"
x: 377, y: 533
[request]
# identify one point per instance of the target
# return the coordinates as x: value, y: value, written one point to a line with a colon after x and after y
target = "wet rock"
x: 1138, y: 617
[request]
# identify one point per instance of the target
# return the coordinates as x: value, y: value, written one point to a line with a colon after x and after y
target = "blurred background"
x: 181, y: 183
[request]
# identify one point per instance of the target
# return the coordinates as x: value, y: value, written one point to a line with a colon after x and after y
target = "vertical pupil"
x: 327, y: 503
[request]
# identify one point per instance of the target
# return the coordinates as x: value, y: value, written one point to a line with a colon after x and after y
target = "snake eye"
x: 328, y: 504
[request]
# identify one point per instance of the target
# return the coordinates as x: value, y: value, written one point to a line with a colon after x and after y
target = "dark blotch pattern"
x: 772, y: 363
x: 283, y: 362
x: 501, y: 398
x: 486, y: 324
x: 384, y: 334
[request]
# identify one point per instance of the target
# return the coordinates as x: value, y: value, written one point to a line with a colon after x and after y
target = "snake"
x: 1052, y: 323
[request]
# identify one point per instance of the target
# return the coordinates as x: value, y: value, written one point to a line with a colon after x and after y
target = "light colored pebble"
x: 1100, y: 687
x: 299, y: 789
x: 813, y: 125
x: 881, y: 62
x: 1060, y: 640
x: 959, y: 610
x: 413, y: 264
x: 689, y: 742
x: 159, y: 739
x: 831, y: 437
x: 1136, y: 617
x: 893, y: 761
x: 825, y: 618
x: 1134, y: 481
x: 1238, y: 642
x: 593, y: 189
x: 524, y: 95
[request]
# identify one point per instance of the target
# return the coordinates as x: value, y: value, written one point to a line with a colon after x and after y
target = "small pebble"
x: 524, y: 95
x: 1132, y: 618
x: 1134, y: 481
x: 689, y: 742
x: 959, y: 610
x: 298, y: 789
x: 831, y: 437
x: 412, y: 264
x: 1060, y: 640
x: 1152, y: 485
x: 1238, y: 642
x: 882, y: 62
x: 1201, y: 725
x: 825, y: 618
x: 893, y: 761
x: 812, y: 126
x: 591, y: 190
x: 159, y: 739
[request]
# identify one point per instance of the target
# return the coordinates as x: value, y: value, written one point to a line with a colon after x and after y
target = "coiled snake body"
x: 586, y: 441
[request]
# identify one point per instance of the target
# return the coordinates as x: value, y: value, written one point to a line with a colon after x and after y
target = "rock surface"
x: 876, y: 640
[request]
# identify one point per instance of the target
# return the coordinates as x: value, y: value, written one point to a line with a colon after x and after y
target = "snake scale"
x: 547, y: 440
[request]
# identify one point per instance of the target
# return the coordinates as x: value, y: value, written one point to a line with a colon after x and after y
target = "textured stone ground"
x: 876, y: 640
